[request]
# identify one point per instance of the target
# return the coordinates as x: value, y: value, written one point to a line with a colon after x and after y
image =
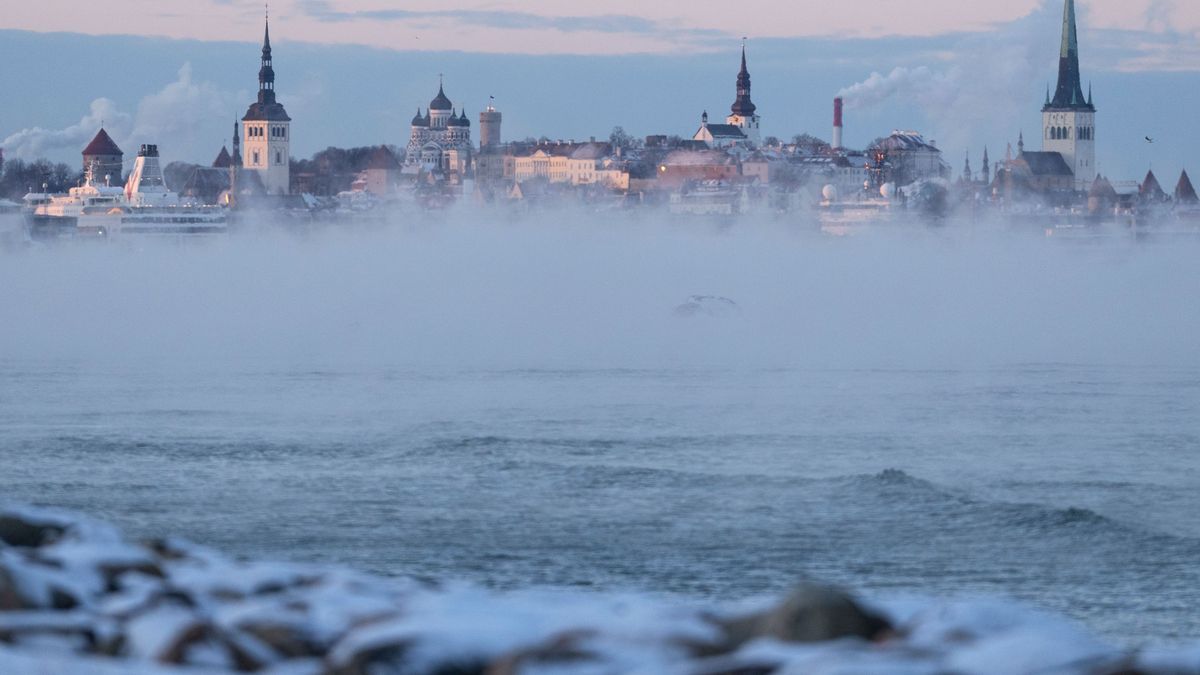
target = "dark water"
x: 1072, y: 487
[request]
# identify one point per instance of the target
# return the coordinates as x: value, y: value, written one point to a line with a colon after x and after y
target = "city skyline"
x: 964, y: 90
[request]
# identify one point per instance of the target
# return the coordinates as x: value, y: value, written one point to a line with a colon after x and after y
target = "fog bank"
x: 553, y: 291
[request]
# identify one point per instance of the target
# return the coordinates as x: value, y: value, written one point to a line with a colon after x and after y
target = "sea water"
x: 517, y: 417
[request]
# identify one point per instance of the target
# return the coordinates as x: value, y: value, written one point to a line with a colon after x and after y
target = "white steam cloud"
x: 171, y: 114
x: 986, y: 81
x: 37, y: 142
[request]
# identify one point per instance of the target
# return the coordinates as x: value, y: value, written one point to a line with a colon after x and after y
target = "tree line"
x: 19, y: 177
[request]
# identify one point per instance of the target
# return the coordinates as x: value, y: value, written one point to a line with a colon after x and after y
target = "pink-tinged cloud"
x: 559, y: 26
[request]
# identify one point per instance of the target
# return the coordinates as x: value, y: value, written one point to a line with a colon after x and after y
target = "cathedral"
x: 440, y: 141
x: 266, y: 129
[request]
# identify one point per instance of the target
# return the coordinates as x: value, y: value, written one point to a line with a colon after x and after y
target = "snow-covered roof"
x: 907, y: 141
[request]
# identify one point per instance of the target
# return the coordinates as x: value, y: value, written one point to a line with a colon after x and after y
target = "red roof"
x: 102, y: 144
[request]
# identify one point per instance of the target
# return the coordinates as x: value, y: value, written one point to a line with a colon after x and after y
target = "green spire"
x: 1070, y: 41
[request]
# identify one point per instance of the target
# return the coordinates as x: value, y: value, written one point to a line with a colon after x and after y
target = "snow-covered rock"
x: 76, y: 597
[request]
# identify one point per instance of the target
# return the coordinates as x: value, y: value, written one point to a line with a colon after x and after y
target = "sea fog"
x: 523, y: 401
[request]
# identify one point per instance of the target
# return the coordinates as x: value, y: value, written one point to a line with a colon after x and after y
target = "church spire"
x: 1069, y: 93
x: 743, y: 106
x: 266, y: 74
x: 237, y: 144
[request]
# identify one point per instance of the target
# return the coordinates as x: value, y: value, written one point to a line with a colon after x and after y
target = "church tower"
x: 743, y: 109
x: 266, y: 130
x: 1069, y: 119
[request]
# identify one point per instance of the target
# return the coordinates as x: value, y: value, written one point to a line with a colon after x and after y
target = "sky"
x: 967, y: 73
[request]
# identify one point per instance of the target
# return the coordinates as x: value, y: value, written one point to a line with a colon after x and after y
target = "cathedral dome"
x: 456, y: 121
x: 420, y: 120
x: 440, y: 102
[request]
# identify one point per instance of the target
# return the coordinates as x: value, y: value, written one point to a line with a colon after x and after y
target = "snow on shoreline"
x: 76, y: 597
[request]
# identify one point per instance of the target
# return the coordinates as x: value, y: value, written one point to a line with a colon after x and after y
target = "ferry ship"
x: 145, y: 207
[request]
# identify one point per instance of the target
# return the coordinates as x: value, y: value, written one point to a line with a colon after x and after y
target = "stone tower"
x: 489, y: 126
x: 104, y: 159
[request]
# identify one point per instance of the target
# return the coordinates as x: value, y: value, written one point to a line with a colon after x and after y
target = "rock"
x: 164, y: 634
x: 811, y: 613
x: 707, y: 305
x: 559, y: 652
x: 288, y: 641
x: 27, y: 531
x: 10, y: 600
x: 368, y: 659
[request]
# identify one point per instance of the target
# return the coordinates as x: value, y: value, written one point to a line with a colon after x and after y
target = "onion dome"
x: 465, y: 121
x: 456, y: 121
x: 420, y: 120
x: 440, y: 102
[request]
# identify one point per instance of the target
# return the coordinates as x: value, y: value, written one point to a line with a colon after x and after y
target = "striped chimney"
x: 837, y: 123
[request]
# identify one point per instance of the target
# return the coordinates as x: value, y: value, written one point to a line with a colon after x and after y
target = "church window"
x: 278, y: 157
x: 256, y: 161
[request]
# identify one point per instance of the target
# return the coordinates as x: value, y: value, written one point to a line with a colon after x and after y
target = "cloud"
x: 321, y: 10
x: 179, y: 107
x: 173, y: 112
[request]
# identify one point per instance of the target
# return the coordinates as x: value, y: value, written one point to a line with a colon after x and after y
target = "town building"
x: 719, y: 135
x: 594, y: 164
x: 266, y: 128
x: 104, y: 160
x: 440, y: 140
x: 381, y: 177
x: 910, y: 158
x: 549, y: 161
x: 680, y: 167
x: 1068, y: 118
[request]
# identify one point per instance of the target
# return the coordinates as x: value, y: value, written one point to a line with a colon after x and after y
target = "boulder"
x: 560, y: 652
x: 27, y: 531
x: 811, y: 613
x: 10, y: 600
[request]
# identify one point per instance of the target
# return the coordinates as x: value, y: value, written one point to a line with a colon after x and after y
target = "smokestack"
x: 837, y: 123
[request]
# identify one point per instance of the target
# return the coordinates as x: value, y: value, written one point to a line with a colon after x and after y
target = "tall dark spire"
x: 266, y: 74
x: 266, y: 108
x: 743, y: 106
x: 1069, y: 93
x: 237, y: 144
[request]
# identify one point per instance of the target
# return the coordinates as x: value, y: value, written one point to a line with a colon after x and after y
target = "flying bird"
x: 1149, y: 140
